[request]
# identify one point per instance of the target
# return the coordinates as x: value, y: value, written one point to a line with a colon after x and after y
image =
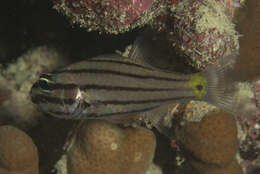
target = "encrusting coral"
x: 110, y: 16
x: 103, y: 148
x: 18, y: 154
x: 211, y: 144
x: 200, y: 30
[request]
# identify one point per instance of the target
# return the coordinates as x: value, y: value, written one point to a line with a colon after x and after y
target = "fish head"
x: 42, y: 88
x: 54, y: 98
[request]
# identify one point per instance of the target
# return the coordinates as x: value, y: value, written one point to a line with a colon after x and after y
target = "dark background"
x: 29, y: 23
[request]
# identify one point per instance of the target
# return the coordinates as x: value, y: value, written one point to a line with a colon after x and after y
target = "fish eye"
x: 44, y: 83
x: 199, y: 87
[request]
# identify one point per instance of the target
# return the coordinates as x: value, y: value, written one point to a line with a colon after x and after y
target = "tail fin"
x: 221, y: 87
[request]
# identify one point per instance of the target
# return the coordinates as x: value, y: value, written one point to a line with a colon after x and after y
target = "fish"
x: 112, y: 85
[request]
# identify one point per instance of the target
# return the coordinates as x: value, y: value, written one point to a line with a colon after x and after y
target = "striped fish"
x: 108, y: 86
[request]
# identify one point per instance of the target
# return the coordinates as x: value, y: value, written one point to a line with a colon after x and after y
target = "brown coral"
x: 248, y: 64
x: 103, y: 148
x: 232, y: 168
x: 18, y: 154
x: 211, y: 142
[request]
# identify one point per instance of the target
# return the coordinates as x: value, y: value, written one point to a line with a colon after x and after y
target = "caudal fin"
x: 221, y: 87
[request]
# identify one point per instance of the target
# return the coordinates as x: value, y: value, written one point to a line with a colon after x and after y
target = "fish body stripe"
x: 160, y: 100
x: 120, y: 62
x: 95, y: 115
x: 106, y: 87
x: 47, y: 99
x: 100, y: 71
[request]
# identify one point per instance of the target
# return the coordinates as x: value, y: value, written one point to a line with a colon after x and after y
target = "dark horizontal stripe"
x: 124, y: 88
x: 106, y: 87
x: 126, y: 102
x: 118, y: 73
x: 111, y: 61
x: 120, y: 62
x: 94, y: 115
x: 47, y: 99
x: 129, y: 112
x: 54, y: 86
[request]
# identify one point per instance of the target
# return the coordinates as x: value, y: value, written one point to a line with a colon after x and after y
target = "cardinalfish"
x: 108, y: 86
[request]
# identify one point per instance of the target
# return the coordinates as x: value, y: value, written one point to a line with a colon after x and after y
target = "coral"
x: 232, y: 168
x: 248, y: 64
x: 16, y: 81
x: 101, y: 147
x: 248, y: 116
x: 230, y: 6
x: 201, y: 31
x: 248, y: 113
x: 111, y: 16
x: 18, y: 154
x: 212, y: 141
x: 196, y: 110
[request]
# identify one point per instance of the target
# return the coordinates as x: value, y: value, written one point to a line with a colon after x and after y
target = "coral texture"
x: 230, y: 6
x: 103, y: 148
x: 203, y: 32
x: 212, y: 141
x: 18, y: 154
x: 248, y: 117
x: 111, y: 16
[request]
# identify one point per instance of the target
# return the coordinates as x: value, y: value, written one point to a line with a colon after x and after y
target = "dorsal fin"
x: 153, y: 49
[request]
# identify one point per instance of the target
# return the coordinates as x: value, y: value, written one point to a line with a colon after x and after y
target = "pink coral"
x: 113, y: 16
x: 112, y: 10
